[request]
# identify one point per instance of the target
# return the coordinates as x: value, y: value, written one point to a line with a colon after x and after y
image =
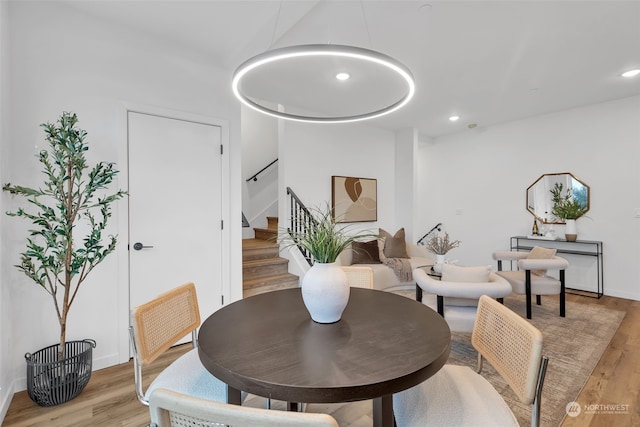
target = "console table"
x: 591, y: 248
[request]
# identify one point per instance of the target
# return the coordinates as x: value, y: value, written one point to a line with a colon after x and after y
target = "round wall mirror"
x: 539, y: 197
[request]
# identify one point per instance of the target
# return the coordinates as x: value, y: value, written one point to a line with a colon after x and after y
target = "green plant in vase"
x: 566, y: 206
x: 322, y: 236
x: 568, y: 209
x: 325, y: 289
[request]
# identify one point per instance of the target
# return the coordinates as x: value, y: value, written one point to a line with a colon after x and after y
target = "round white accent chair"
x: 455, y: 295
x: 531, y: 276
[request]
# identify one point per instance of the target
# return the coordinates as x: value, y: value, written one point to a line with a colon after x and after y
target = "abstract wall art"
x: 354, y: 199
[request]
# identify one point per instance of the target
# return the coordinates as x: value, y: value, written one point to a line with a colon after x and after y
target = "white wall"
x: 260, y: 147
x: 6, y: 373
x: 63, y: 60
x: 312, y: 153
x: 406, y: 165
x: 475, y: 182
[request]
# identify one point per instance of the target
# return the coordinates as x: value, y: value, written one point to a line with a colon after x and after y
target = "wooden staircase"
x: 262, y: 269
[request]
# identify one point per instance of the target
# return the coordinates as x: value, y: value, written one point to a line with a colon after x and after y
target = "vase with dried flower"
x: 440, y: 245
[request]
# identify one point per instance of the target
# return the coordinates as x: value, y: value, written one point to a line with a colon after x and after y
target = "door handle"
x: 139, y: 246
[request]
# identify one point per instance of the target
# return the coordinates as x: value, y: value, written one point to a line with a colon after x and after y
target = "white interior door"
x: 175, y: 208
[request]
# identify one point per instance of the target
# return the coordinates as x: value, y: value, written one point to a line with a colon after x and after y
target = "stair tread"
x: 270, y: 287
x: 269, y: 280
x: 264, y: 261
x: 266, y: 235
x: 257, y: 243
x: 268, y: 230
x: 263, y: 269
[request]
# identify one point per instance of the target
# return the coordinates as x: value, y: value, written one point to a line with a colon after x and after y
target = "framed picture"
x: 354, y: 199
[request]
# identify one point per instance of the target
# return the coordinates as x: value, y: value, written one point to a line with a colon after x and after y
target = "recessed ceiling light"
x: 342, y: 76
x: 425, y: 8
x: 454, y: 118
x: 631, y: 73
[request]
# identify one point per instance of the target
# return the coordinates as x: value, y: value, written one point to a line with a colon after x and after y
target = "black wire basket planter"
x: 51, y: 381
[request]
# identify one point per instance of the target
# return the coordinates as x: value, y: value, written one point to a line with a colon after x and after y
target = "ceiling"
x: 488, y: 62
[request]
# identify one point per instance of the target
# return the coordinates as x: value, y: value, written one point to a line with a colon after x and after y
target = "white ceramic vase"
x: 325, y: 292
x: 440, y: 260
x: 570, y: 230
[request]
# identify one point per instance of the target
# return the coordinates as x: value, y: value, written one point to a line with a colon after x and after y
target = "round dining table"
x: 268, y: 345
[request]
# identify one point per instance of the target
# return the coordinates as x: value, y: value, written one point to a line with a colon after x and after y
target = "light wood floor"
x: 109, y: 399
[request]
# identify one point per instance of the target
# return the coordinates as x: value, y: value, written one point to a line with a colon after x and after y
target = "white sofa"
x: 384, y: 278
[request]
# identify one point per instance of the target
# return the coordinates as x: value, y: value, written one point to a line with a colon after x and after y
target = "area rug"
x: 573, y: 344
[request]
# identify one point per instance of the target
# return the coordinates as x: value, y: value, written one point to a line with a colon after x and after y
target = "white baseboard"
x: 622, y: 294
x: 105, y: 361
x: 6, y: 395
x: 19, y: 384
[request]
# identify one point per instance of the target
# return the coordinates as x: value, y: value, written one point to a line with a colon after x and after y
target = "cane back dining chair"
x: 171, y: 409
x: 359, y: 277
x: 458, y: 396
x: 158, y: 325
x: 531, y: 278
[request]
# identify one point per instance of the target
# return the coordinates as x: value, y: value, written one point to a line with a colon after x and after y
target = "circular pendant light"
x: 385, y: 74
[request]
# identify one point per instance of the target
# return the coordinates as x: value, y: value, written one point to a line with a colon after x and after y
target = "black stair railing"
x: 437, y: 227
x: 301, y: 220
x: 254, y: 177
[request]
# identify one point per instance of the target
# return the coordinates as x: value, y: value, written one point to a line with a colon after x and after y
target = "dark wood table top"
x: 268, y: 345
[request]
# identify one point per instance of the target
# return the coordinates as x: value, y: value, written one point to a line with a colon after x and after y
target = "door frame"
x: 124, y: 350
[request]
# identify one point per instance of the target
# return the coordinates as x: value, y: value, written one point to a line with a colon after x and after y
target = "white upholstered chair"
x: 359, y: 276
x: 458, y: 290
x: 160, y: 324
x: 530, y: 278
x: 458, y: 396
x: 171, y: 409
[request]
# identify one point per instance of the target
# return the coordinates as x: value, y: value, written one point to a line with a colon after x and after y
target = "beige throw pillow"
x: 456, y: 273
x: 541, y: 253
x: 394, y: 246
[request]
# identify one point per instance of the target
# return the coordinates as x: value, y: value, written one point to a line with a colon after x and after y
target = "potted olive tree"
x: 71, y: 198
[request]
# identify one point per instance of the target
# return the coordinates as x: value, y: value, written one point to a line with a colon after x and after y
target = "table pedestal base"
x: 383, y: 411
x: 234, y: 396
x: 382, y: 407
